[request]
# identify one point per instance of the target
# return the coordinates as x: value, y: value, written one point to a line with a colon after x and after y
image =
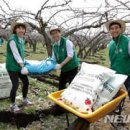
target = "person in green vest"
x: 119, y: 49
x: 64, y: 52
x: 15, y: 63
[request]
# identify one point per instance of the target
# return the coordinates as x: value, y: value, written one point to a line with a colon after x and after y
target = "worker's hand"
x: 58, y: 67
x: 24, y: 71
x: 21, y: 65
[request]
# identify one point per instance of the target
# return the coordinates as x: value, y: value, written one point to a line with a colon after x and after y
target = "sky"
x: 34, y: 5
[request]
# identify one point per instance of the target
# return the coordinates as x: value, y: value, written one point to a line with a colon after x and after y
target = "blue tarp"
x: 1, y: 41
x: 40, y: 67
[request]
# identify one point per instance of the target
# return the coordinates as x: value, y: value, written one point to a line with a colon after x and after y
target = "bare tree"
x: 62, y: 14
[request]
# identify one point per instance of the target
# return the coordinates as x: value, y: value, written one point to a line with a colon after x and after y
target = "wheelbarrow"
x: 84, y: 120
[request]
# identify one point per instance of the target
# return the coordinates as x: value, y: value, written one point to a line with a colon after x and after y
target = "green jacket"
x: 11, y: 63
x: 119, y: 56
x: 60, y: 53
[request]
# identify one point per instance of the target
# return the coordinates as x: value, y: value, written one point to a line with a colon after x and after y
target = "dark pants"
x: 127, y: 85
x: 14, y: 76
x: 67, y: 77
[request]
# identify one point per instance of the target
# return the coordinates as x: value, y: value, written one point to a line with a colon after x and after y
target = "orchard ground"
x: 38, y: 92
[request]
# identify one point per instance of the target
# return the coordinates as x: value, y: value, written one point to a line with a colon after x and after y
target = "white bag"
x: 3, y: 69
x: 110, y: 90
x: 86, y: 86
x: 5, y: 83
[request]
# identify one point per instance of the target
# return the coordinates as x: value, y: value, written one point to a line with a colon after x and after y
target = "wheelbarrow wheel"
x: 79, y: 124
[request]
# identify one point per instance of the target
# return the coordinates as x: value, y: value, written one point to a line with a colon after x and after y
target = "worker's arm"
x: 65, y: 61
x: 16, y: 54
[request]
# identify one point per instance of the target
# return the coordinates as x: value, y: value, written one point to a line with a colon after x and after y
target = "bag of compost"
x: 33, y: 67
x: 86, y: 86
x: 110, y: 89
x: 5, y: 83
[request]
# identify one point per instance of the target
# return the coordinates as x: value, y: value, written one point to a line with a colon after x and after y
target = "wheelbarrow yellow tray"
x: 97, y: 114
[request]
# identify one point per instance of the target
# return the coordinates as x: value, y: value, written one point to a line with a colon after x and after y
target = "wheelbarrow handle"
x: 119, y: 108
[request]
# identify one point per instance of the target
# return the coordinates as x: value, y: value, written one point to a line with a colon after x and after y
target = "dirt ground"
x: 38, y: 92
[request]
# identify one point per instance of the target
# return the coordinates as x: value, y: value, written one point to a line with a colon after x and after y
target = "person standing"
x: 65, y: 55
x: 119, y: 50
x: 15, y: 63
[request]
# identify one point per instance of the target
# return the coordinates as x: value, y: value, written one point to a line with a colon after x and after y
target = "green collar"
x: 60, y: 42
x: 117, y: 39
x: 20, y: 40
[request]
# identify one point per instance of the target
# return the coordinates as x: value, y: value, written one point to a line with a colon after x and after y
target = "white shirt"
x: 15, y: 52
x: 129, y: 48
x: 69, y: 48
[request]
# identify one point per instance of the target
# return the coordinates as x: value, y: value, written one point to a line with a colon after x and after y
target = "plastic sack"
x: 3, y: 70
x: 4, y: 77
x: 5, y: 83
x: 110, y: 90
x: 86, y: 86
x: 40, y: 67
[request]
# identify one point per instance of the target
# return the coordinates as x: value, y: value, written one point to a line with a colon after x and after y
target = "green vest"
x: 60, y: 53
x: 11, y: 63
x: 119, y: 56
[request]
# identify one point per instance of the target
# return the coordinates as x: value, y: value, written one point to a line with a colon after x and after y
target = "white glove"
x: 58, y: 67
x: 24, y: 71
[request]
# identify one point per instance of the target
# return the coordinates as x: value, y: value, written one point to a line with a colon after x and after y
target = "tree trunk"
x: 34, y: 47
x: 47, y: 43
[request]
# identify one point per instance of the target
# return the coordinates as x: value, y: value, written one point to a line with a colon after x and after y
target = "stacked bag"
x: 92, y: 87
x: 5, y: 83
